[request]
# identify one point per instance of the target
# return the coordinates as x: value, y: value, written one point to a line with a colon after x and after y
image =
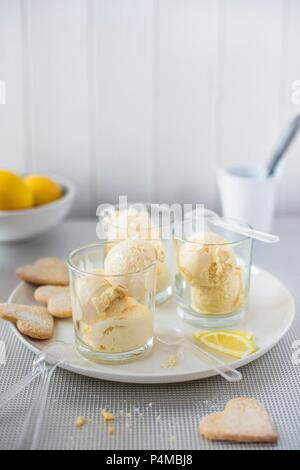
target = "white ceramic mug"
x: 247, y: 196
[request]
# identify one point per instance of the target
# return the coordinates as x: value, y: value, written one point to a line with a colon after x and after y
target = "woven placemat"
x: 149, y: 417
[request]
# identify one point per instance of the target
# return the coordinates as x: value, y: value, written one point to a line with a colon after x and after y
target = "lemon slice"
x: 234, y: 343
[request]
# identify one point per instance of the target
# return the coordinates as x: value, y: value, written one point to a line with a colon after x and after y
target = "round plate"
x: 271, y: 312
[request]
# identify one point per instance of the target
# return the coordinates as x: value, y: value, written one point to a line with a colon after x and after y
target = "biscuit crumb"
x: 111, y: 428
x: 80, y: 421
x: 158, y: 418
x: 107, y: 415
x: 172, y: 439
x: 171, y: 362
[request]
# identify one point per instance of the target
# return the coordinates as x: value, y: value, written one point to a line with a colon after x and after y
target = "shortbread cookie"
x: 44, y: 293
x: 57, y: 299
x: 59, y: 305
x: 45, y: 271
x: 243, y: 420
x: 31, y: 321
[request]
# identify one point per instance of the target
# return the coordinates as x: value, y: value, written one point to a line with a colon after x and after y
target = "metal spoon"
x: 174, y: 336
x: 283, y: 145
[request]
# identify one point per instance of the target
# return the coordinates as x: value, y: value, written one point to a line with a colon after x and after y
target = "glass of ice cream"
x: 113, y: 300
x: 212, y: 273
x: 143, y: 221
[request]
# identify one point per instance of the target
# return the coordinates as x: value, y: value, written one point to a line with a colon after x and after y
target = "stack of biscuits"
x: 50, y: 276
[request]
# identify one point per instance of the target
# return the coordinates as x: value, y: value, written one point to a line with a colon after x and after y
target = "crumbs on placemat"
x: 80, y: 421
x: 107, y: 415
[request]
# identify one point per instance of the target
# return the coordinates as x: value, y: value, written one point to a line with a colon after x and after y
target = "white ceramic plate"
x: 271, y: 313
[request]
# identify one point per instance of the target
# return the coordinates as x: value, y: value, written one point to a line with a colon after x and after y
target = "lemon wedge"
x: 234, y: 343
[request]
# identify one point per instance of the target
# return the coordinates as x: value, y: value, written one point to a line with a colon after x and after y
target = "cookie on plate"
x: 45, y: 271
x: 31, y: 321
x: 57, y: 299
x: 243, y: 420
x: 43, y: 293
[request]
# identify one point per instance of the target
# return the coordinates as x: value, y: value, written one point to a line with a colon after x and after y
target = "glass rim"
x: 146, y: 205
x: 243, y: 238
x: 104, y: 275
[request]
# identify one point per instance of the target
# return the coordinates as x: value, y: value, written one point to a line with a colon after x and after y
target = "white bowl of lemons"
x: 32, y: 204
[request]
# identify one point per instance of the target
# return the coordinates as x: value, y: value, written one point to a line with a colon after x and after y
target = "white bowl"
x: 21, y: 225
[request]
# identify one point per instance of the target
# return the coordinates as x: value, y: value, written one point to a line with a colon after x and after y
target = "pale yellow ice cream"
x: 94, y: 294
x: 108, y: 319
x: 131, y: 257
x: 131, y: 224
x: 209, y: 266
x: 225, y: 297
x: 202, y: 262
x: 126, y: 325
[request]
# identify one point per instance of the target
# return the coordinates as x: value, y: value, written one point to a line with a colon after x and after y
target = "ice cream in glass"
x: 113, y: 299
x: 143, y: 222
x: 212, y: 273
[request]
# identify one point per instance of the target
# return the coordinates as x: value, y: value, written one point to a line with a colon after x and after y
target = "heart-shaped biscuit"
x: 57, y: 299
x: 45, y: 271
x: 34, y: 322
x: 44, y: 293
x: 243, y: 420
x: 60, y: 305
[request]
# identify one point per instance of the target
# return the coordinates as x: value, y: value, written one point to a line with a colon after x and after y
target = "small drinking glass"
x: 212, y: 273
x: 145, y: 221
x: 113, y: 314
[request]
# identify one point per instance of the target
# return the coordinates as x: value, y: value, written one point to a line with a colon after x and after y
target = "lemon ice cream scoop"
x: 129, y: 256
x: 202, y: 262
x: 130, y: 224
x: 126, y: 261
x: 126, y: 325
x: 225, y: 297
x: 94, y: 294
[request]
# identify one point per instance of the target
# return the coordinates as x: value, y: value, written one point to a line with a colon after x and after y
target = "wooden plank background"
x: 147, y: 97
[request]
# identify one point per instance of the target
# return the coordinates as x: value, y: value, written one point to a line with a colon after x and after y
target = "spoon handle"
x: 225, y: 370
x: 248, y: 232
x: 6, y: 396
x: 33, y: 422
x: 286, y: 140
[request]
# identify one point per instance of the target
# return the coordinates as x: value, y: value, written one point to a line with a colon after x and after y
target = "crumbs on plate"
x: 171, y: 362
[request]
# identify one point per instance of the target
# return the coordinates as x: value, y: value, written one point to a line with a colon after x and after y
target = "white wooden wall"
x: 146, y: 97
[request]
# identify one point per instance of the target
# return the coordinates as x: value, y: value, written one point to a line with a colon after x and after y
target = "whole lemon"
x: 14, y: 193
x: 44, y: 189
